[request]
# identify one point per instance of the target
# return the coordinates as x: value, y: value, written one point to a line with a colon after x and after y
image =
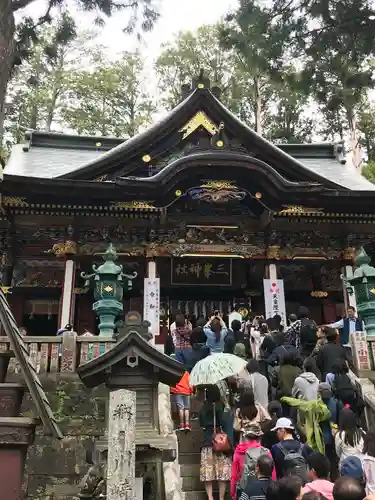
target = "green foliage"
x: 366, y: 125
x: 368, y: 171
x: 56, y: 93
x: 186, y: 55
x: 109, y: 98
x: 335, y: 41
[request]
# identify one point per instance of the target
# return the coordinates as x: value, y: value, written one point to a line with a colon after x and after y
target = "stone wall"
x: 54, y: 468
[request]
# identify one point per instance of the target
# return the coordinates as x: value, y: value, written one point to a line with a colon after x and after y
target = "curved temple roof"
x: 61, y: 156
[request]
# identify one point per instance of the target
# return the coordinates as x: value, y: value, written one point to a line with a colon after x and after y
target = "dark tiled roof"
x: 50, y: 155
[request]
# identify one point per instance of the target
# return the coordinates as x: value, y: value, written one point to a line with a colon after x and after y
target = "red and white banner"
x: 274, y: 299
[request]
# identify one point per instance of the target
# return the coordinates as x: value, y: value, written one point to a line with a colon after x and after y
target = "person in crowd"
x: 346, y: 326
x: 214, y: 466
x: 290, y: 455
x: 329, y: 354
x: 349, y: 439
x: 329, y: 425
x: 181, y: 333
x: 302, y: 333
x: 249, y: 413
x: 347, y: 488
x: 310, y: 414
x: 215, y: 331
x: 313, y: 495
x: 283, y: 347
x: 278, y: 319
x: 244, y: 459
x: 287, y: 488
x: 353, y: 467
x: 368, y: 461
x: 264, y: 475
x: 343, y: 388
x: 182, y: 394
x: 257, y: 337
x: 234, y: 336
x: 198, y: 350
x: 240, y: 350
x: 306, y: 384
x: 284, y: 376
x: 267, y: 347
x: 251, y: 379
x: 318, y: 475
x: 275, y: 411
x: 292, y: 318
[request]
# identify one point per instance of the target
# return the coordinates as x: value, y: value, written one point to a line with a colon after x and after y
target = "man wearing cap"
x: 287, y: 444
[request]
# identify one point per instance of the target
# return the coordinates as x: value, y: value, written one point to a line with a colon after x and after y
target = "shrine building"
x: 199, y: 200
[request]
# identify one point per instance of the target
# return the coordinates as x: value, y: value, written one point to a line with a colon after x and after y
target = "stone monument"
x: 132, y: 370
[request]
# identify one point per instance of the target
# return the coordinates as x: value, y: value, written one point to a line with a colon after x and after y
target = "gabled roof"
x: 28, y: 369
x: 96, y: 371
x: 90, y: 158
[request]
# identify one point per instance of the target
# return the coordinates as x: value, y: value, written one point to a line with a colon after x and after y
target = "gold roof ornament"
x: 219, y: 185
x: 299, y: 210
x: 200, y: 119
x: 135, y: 205
x: 14, y: 201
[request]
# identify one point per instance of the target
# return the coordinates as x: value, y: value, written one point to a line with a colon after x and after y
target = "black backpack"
x: 343, y: 389
x: 294, y: 463
x: 308, y: 332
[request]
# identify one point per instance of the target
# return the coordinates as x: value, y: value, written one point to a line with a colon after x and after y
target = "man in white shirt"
x: 346, y: 326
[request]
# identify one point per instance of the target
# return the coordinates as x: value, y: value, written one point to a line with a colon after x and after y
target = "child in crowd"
x: 182, y: 395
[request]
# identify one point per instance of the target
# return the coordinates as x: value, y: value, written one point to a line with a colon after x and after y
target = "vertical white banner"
x: 151, y: 304
x: 274, y: 299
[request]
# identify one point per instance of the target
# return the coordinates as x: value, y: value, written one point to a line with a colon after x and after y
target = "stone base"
x: 16, y: 434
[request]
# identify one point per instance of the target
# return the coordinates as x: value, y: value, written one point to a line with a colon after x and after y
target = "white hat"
x: 283, y: 423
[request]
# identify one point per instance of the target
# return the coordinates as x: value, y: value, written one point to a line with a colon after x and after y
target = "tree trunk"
x: 258, y: 106
x: 56, y: 89
x: 7, y: 52
x: 354, y: 139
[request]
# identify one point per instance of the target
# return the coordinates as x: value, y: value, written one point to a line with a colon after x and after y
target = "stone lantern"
x: 362, y: 283
x: 108, y: 282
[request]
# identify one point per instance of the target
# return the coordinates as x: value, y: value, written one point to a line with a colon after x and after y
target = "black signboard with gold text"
x: 201, y: 271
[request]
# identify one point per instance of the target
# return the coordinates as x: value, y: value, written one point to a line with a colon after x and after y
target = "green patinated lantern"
x: 108, y: 282
x: 362, y: 283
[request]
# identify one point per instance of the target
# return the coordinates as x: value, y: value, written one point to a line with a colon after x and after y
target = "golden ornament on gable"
x: 14, y: 201
x: 200, y: 119
x: 64, y: 248
x: 273, y: 252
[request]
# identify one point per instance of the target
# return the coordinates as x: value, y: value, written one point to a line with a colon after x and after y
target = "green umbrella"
x: 216, y: 367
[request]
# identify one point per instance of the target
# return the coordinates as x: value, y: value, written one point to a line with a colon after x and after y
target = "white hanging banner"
x: 274, y: 299
x: 151, y: 304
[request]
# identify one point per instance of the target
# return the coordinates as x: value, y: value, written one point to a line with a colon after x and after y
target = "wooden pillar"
x: 68, y: 297
x: 151, y: 300
x: 121, y: 445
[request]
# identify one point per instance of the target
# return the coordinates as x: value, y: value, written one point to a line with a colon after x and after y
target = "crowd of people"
x: 290, y: 424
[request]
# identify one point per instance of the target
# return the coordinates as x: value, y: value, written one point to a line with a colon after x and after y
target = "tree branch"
x: 20, y: 4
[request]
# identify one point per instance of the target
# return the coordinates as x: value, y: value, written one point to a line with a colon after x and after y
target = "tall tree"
x: 187, y: 54
x: 109, y: 98
x: 16, y: 41
x: 337, y: 38
x: 37, y: 89
x: 260, y: 44
x: 290, y: 118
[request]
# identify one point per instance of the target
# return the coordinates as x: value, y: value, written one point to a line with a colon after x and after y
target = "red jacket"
x: 238, y: 460
x: 183, y: 387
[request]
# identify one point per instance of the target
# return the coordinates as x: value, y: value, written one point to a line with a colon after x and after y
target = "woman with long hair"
x: 349, y: 439
x: 368, y: 462
x: 215, y: 331
x: 214, y: 466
